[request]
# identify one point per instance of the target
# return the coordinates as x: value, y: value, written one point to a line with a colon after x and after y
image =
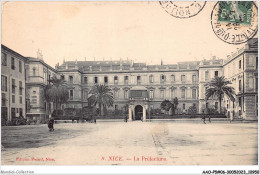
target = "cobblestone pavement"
x: 132, y: 143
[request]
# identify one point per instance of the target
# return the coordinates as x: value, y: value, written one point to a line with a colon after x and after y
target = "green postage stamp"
x: 235, y: 12
x: 235, y: 22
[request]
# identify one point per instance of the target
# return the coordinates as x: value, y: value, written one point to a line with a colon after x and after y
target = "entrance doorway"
x: 138, y: 112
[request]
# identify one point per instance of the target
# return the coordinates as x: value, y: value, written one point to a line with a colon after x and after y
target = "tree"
x: 101, y: 96
x: 218, y: 87
x: 56, y: 92
x: 166, y: 105
x: 175, y: 103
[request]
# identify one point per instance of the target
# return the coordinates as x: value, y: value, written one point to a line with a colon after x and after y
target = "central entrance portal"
x: 138, y: 112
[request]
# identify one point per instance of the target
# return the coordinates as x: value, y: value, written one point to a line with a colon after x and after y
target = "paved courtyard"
x: 132, y: 143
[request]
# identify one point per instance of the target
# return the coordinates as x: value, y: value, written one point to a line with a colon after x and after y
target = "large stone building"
x: 143, y: 87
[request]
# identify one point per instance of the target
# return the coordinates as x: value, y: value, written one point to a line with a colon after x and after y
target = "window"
x: 251, y: 83
x: 239, y: 64
x: 20, y: 66
x: 183, y: 93
x: 71, y: 94
x: 71, y: 79
x: 138, y: 79
x: 207, y: 105
x: 62, y: 77
x: 216, y: 105
x: 126, y: 79
x: 193, y: 78
x: 3, y: 83
x: 3, y: 99
x: 183, y: 106
x: 172, y: 93
x: 240, y: 101
x: 172, y: 78
x: 13, y: 86
x: 183, y: 78
x: 239, y: 86
x: 116, y: 94
x: 20, y: 88
x: 12, y: 63
x: 151, y: 94
x: 126, y: 94
x: 4, y: 59
x: 151, y: 78
x: 13, y: 98
x: 216, y: 73
x: 20, y: 111
x: 85, y: 80
x: 115, y: 80
x: 96, y: 80
x: 256, y: 62
x: 105, y: 79
x: 163, y: 78
x: 162, y: 93
x: 21, y: 100
x: 194, y: 94
x: 13, y: 112
x: 256, y: 83
x: 206, y: 75
x: 227, y: 104
x: 34, y: 71
x: 85, y: 94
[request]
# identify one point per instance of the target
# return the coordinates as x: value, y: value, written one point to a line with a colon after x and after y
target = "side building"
x: 38, y: 74
x: 12, y: 85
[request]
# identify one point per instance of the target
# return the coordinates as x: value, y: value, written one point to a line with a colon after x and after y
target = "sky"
x: 139, y: 31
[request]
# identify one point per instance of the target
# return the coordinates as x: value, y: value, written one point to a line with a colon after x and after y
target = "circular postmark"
x: 234, y: 22
x: 183, y: 9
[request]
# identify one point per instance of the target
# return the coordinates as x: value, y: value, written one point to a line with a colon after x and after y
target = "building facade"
x: 37, y: 76
x: 141, y: 87
x: 12, y: 84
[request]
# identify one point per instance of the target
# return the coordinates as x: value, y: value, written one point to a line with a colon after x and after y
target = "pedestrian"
x: 203, y: 116
x: 207, y: 113
x: 50, y: 124
x: 126, y: 118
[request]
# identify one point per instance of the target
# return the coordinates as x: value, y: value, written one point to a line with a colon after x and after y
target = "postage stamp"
x: 234, y: 22
x: 183, y: 9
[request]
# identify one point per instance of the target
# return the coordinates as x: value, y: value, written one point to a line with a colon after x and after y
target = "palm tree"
x: 101, y: 96
x: 218, y: 87
x: 56, y: 92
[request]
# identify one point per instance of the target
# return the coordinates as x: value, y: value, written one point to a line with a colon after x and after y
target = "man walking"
x: 203, y: 116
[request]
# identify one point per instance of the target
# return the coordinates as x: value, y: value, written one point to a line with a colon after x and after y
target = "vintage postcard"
x: 129, y: 83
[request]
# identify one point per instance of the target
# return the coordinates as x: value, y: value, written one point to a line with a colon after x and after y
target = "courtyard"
x: 132, y: 143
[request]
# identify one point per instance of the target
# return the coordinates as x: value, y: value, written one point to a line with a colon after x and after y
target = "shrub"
x: 192, y: 110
